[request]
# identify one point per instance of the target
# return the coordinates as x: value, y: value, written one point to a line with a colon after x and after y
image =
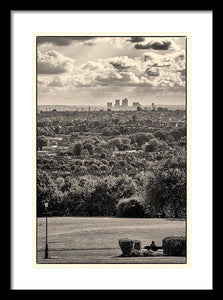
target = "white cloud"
x: 158, y: 71
x: 53, y: 62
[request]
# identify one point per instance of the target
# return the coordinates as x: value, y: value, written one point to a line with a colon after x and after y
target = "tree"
x: 89, y: 147
x: 103, y: 168
x: 121, y: 163
x: 152, y: 146
x: 125, y: 187
x: 41, y: 141
x: 57, y: 130
x: 166, y: 192
x: 102, y: 201
x: 46, y: 191
x: 77, y: 149
x: 99, y: 150
x: 103, y: 155
x: 84, y: 153
x: 106, y: 132
x: 125, y: 147
x: 115, y: 131
x: 126, y: 141
x: 116, y: 142
x: 140, y: 138
x: 161, y: 135
x: 67, y: 184
x: 131, y: 208
x: 94, y: 169
x: 112, y: 163
x: 178, y: 133
x: 75, y: 200
x: 134, y: 118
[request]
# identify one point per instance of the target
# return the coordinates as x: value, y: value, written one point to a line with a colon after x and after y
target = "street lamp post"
x: 46, y: 247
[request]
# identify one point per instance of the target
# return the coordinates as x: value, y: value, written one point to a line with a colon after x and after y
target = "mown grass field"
x: 95, y: 240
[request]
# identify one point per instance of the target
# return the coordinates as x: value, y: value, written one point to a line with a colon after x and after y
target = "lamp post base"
x: 46, y: 252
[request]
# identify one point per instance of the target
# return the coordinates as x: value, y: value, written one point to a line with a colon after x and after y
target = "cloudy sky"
x: 94, y: 70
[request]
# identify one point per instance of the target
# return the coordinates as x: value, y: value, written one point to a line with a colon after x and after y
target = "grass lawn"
x: 95, y: 240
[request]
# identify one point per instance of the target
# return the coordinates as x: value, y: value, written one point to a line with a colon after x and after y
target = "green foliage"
x: 174, y: 246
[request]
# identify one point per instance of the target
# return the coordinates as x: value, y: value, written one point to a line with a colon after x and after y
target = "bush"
x: 126, y: 246
x: 137, y: 245
x: 148, y: 253
x: 130, y: 208
x: 174, y: 246
x: 158, y: 253
x: 135, y: 253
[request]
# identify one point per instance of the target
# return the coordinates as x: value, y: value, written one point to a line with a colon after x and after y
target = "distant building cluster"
x: 122, y: 104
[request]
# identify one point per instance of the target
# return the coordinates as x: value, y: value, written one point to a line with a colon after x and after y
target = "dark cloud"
x: 151, y: 72
x: 62, y: 40
x: 164, y: 45
x: 136, y: 39
x: 119, y: 66
x: 90, y: 44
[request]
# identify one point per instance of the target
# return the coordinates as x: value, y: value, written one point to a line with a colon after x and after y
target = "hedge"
x: 126, y: 246
x: 148, y: 253
x: 174, y: 246
x: 137, y: 245
x: 135, y: 253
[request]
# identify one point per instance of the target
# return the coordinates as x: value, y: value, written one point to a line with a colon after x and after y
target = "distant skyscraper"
x: 109, y: 104
x: 117, y: 103
x: 153, y: 106
x: 125, y: 102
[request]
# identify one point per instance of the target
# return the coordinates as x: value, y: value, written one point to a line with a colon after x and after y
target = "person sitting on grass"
x: 153, y: 246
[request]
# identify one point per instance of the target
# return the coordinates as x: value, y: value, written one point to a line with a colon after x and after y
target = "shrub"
x: 137, y: 245
x: 148, y: 253
x: 126, y: 246
x: 135, y: 253
x: 158, y: 253
x: 174, y: 246
x: 130, y: 208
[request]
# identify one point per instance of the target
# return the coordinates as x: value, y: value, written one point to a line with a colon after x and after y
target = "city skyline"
x: 96, y: 70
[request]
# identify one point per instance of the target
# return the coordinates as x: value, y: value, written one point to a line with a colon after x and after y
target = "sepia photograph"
x: 111, y: 149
